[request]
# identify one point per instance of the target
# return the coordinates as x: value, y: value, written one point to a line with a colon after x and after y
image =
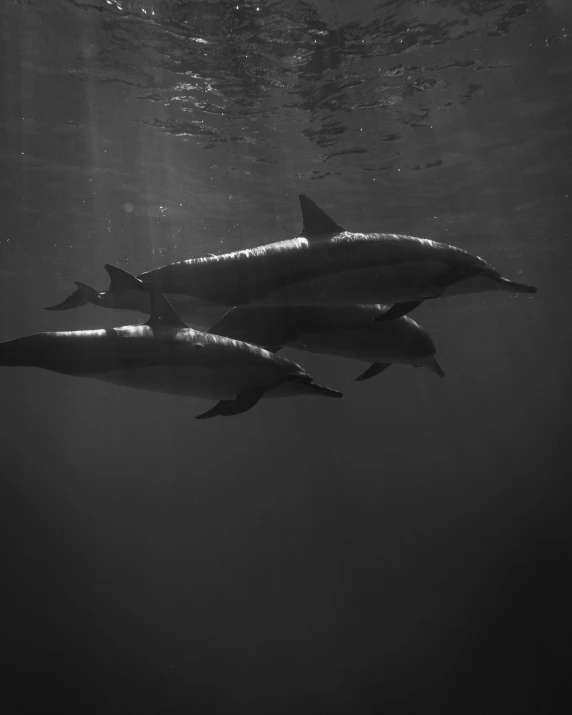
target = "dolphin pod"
x: 352, y: 331
x: 327, y: 291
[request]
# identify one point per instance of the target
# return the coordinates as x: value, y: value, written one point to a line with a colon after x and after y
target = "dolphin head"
x: 420, y: 347
x: 478, y: 277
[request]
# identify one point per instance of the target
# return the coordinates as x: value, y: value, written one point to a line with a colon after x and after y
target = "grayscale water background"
x: 405, y: 550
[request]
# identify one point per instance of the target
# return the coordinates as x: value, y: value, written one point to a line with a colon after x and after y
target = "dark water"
x: 404, y: 550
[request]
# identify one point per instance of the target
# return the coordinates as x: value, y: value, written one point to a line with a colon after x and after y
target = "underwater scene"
x: 285, y: 354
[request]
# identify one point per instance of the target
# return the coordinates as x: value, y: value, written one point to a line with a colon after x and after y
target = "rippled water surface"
x: 404, y: 550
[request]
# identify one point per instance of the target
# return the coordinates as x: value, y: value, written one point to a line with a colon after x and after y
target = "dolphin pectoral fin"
x: 215, y: 411
x: 226, y: 408
x: 122, y: 281
x: 398, y: 310
x: 374, y: 369
x: 247, y: 399
x: 89, y: 294
x: 316, y: 221
x: 75, y: 300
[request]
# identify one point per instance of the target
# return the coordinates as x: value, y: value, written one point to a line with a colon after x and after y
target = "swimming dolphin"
x: 344, y: 331
x: 164, y: 355
x: 324, y: 265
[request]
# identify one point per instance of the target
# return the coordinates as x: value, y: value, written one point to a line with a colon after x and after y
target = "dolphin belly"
x: 185, y: 381
x: 206, y: 384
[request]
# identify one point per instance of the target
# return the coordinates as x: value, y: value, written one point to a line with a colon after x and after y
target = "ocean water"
x: 403, y: 550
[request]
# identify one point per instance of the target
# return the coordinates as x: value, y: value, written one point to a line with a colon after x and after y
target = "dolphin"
x: 324, y: 265
x: 165, y: 355
x: 345, y: 331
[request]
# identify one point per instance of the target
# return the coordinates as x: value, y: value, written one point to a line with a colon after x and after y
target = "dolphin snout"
x: 434, y: 366
x: 315, y: 387
x: 515, y: 287
x: 326, y: 391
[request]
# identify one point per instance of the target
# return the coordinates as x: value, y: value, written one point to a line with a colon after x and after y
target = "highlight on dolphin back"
x: 165, y: 355
x: 324, y: 265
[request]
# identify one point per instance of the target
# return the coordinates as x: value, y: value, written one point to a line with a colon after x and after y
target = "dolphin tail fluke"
x: 374, y: 369
x: 88, y: 293
x: 82, y: 296
x: 398, y: 310
x: 226, y: 408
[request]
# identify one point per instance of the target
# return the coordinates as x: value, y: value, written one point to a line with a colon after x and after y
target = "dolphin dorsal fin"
x: 121, y: 281
x: 163, y: 314
x: 317, y: 223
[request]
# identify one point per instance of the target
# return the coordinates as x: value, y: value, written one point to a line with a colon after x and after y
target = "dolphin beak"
x: 326, y: 391
x: 434, y: 366
x: 514, y: 287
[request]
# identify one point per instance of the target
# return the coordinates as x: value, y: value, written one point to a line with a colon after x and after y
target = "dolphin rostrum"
x: 324, y: 265
x: 349, y: 331
x: 164, y: 355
